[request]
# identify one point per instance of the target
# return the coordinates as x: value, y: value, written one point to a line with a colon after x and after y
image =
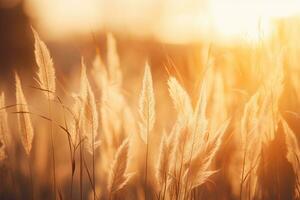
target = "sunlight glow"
x: 170, y: 21
x: 250, y: 19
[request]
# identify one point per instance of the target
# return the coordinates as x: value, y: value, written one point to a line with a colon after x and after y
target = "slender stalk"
x: 70, y: 146
x: 31, y: 177
x: 243, y: 172
x: 165, y: 187
x: 81, y: 167
x: 175, y: 174
x: 190, y: 160
x: 72, y: 180
x: 147, y: 152
x: 181, y: 165
x: 71, y: 160
x: 249, y: 187
x: 146, y: 168
x: 52, y: 147
x: 46, y: 84
x: 93, y: 147
x: 88, y: 173
x: 75, y: 146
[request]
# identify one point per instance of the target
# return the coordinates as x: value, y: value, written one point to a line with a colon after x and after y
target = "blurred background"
x: 167, y: 33
x: 148, y: 27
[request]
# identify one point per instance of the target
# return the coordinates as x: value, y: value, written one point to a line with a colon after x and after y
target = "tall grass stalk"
x: 72, y: 160
x: 52, y: 148
x: 29, y: 163
x: 46, y: 80
x: 147, y: 115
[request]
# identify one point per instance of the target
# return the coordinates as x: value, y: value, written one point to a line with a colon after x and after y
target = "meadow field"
x: 201, y: 120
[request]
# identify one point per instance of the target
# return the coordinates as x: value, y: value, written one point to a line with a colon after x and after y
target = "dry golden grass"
x: 24, y: 118
x: 217, y: 145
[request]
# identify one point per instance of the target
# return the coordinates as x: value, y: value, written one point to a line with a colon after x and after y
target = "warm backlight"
x: 252, y: 19
x: 170, y: 21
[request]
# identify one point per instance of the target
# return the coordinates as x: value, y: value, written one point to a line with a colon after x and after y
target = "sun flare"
x: 249, y: 19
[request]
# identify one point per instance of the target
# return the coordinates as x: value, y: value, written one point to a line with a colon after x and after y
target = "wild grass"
x: 215, y: 145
